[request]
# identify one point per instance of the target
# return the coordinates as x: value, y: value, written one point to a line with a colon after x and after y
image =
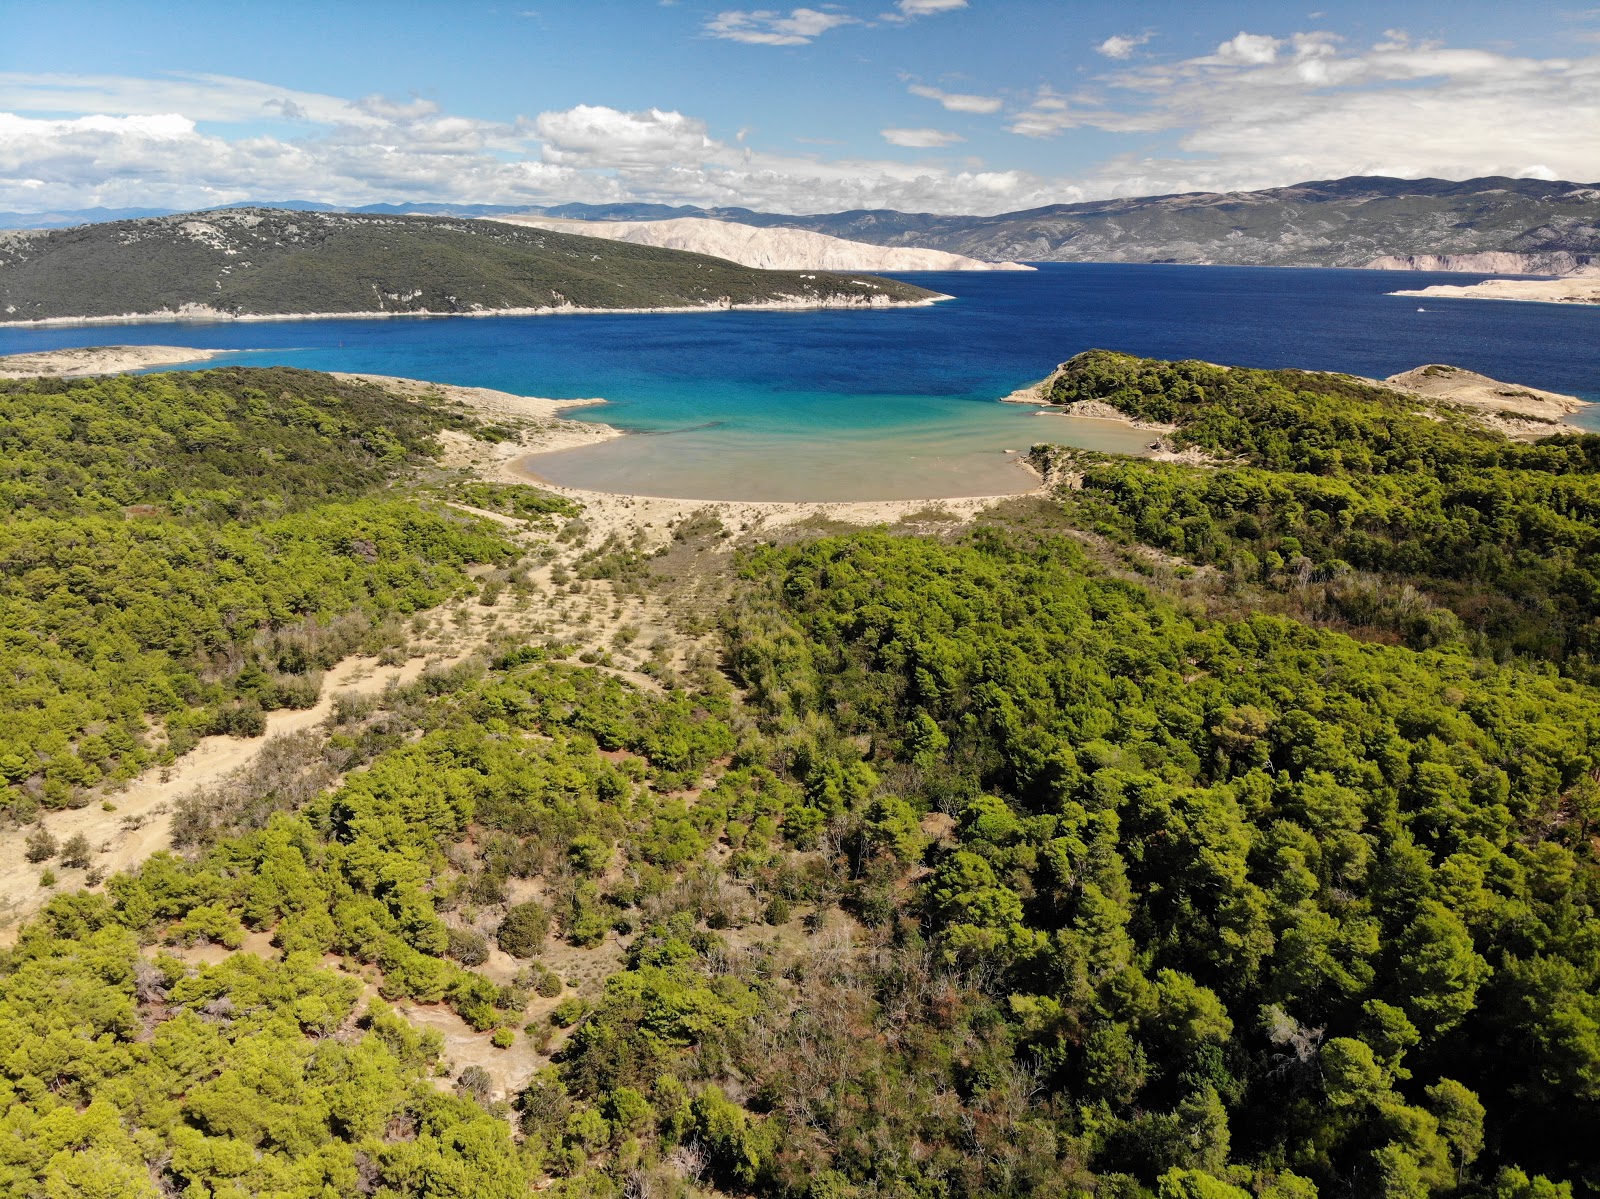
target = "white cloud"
x: 1253, y: 49
x: 594, y: 136
x: 1122, y: 45
x: 920, y: 139
x: 199, y: 97
x: 907, y: 10
x: 765, y: 27
x: 1263, y: 111
x: 957, y: 101
x: 1050, y: 113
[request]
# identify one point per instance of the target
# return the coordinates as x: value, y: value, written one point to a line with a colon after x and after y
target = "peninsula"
x: 272, y: 263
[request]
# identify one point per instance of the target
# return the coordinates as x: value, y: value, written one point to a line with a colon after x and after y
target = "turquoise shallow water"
x: 839, y: 404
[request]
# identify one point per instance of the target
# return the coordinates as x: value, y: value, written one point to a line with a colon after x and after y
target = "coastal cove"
x: 899, y: 403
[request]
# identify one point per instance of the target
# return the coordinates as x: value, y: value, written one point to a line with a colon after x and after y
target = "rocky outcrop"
x: 769, y: 249
x: 1493, y: 262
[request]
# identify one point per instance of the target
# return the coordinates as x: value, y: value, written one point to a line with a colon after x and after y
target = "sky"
x: 958, y: 106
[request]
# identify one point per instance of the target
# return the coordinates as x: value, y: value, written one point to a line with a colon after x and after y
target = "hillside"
x: 265, y: 262
x: 771, y: 248
x: 1217, y: 832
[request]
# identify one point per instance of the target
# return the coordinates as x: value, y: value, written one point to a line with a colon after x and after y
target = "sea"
x: 900, y: 403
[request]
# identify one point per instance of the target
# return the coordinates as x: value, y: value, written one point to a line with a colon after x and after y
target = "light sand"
x: 141, y: 822
x: 1569, y: 289
x: 99, y: 360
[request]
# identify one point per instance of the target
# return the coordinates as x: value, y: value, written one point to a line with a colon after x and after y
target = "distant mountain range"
x: 1544, y: 226
x: 272, y: 262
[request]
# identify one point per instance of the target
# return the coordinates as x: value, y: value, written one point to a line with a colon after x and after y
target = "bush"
x: 524, y: 930
x: 75, y: 853
x: 40, y: 846
x: 550, y: 985
x: 474, y: 1084
x: 779, y: 911
x: 503, y: 1038
x: 568, y: 1012
x: 467, y: 946
x: 589, y: 854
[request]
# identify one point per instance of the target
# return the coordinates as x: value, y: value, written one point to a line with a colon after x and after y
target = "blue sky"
x: 943, y: 105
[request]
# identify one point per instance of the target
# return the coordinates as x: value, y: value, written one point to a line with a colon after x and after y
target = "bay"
x: 901, y: 403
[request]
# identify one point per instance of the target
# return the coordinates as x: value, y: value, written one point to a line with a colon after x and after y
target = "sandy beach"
x: 99, y: 360
x: 615, y: 512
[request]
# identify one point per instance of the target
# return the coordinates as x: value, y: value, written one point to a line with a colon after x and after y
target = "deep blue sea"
x: 901, y: 403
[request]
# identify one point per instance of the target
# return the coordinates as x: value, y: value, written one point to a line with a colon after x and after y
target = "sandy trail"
x: 140, y: 823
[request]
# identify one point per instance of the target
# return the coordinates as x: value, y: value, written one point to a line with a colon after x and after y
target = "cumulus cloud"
x: 920, y: 139
x: 765, y: 27
x: 1250, y: 49
x: 1122, y: 45
x: 368, y: 151
x: 958, y: 101
x: 1263, y: 110
x: 594, y: 136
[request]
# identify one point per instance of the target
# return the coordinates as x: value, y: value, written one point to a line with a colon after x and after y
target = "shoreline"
x: 1582, y: 291
x: 205, y: 316
x: 508, y: 462
x: 74, y: 362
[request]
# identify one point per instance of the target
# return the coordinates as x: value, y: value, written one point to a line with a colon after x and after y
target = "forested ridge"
x: 977, y: 864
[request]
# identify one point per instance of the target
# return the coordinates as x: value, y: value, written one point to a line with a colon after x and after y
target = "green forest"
x: 181, y: 552
x: 271, y: 260
x: 995, y: 862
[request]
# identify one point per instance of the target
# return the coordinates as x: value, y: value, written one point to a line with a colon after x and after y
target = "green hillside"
x: 1092, y: 851
x: 195, y: 549
x: 272, y: 261
x: 1384, y: 509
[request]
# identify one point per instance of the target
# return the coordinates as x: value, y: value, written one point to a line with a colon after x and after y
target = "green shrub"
x: 524, y: 930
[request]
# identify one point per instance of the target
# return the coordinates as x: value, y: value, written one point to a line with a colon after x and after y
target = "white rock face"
x: 1493, y: 262
x: 769, y: 249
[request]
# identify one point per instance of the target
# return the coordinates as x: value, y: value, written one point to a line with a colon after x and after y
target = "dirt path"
x: 139, y: 823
